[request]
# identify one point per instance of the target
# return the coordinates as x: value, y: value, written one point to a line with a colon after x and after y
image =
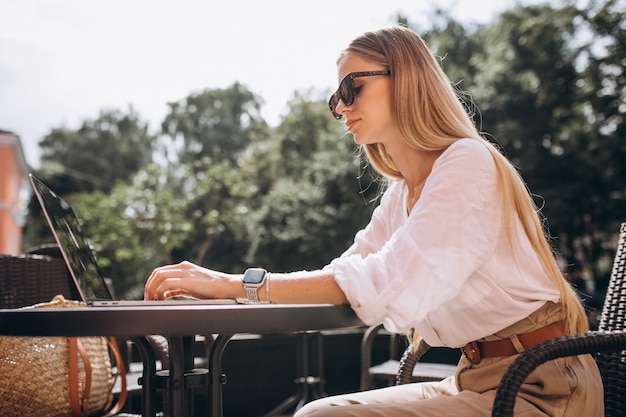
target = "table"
x: 178, y: 323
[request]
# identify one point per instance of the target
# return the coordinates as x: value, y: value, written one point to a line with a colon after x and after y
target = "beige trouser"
x: 566, y: 387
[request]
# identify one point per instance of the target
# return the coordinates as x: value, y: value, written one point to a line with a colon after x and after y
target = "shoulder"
x: 395, y: 187
x: 472, y: 152
x: 394, y: 192
x: 470, y: 147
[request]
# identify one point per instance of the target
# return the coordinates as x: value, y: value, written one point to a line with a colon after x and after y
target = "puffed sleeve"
x: 424, y: 261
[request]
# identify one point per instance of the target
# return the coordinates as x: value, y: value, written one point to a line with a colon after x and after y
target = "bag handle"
x: 79, y: 406
x: 121, y: 373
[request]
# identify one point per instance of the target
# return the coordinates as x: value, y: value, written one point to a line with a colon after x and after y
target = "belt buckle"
x: 472, y: 352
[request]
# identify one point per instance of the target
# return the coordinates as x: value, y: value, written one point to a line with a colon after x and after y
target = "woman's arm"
x: 305, y: 287
x: 187, y: 279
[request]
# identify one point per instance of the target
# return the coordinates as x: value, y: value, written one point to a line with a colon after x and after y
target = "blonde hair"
x: 431, y: 117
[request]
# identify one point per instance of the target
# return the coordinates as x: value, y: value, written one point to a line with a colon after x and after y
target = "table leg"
x: 319, y: 366
x: 176, y: 382
x: 181, y: 378
x: 305, y: 382
x: 148, y: 392
x: 215, y: 373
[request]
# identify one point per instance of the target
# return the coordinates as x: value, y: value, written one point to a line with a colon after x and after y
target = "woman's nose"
x: 341, y: 107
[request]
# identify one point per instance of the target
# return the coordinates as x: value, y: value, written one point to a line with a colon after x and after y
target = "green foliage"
x: 161, y: 215
x: 215, y: 123
x: 603, y: 103
x: 126, y: 249
x: 101, y: 152
x: 95, y: 157
x: 527, y: 90
x: 312, y: 195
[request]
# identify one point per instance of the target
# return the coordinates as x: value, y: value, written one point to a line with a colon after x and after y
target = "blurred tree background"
x: 220, y: 187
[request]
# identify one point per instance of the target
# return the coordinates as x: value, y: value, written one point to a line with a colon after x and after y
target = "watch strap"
x: 253, y: 294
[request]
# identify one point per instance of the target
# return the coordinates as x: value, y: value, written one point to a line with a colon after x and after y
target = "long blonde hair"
x: 431, y: 117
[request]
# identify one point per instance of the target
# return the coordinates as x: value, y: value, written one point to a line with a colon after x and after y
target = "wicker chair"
x: 410, y: 366
x: 608, y: 344
x: 21, y: 284
x: 402, y: 370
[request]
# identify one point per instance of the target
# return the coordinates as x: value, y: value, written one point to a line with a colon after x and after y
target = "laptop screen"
x: 72, y: 242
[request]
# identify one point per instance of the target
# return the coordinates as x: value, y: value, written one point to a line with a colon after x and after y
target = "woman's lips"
x: 351, y: 123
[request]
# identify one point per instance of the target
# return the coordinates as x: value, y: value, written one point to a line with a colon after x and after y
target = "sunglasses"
x: 346, y: 91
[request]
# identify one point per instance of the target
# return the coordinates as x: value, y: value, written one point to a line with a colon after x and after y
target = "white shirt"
x: 447, y: 268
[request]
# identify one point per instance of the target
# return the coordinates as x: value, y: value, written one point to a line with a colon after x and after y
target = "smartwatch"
x: 253, y: 279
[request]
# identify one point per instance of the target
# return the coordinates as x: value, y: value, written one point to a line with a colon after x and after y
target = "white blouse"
x: 447, y: 268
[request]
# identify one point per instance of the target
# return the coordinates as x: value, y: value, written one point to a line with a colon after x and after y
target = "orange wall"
x: 12, y: 176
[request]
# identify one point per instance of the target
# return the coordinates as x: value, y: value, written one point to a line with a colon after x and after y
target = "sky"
x: 65, y: 61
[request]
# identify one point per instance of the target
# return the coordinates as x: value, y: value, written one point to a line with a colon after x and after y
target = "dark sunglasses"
x: 346, y: 91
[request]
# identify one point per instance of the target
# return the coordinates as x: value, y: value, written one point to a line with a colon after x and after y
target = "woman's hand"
x: 190, y: 280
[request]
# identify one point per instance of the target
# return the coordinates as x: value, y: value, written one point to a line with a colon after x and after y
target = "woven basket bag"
x: 59, y: 376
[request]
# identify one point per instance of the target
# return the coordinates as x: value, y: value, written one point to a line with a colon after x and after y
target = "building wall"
x: 13, y: 171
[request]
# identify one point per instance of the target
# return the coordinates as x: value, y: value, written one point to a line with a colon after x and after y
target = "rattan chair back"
x: 29, y: 279
x: 608, y: 344
x: 613, y: 364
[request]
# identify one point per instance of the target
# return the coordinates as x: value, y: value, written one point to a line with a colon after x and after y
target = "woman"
x: 455, y: 250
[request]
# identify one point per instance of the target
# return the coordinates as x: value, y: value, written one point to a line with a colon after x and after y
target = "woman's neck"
x: 415, y: 167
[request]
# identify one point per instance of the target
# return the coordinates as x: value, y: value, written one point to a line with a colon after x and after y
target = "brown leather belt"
x: 475, y: 351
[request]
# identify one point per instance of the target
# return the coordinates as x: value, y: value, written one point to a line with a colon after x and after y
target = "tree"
x: 598, y: 139
x: 96, y: 156
x: 206, y: 137
x: 527, y: 90
x: 318, y: 199
x: 157, y: 219
x: 214, y: 123
x: 603, y: 106
x: 101, y: 152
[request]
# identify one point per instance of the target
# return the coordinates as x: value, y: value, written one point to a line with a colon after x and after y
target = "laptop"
x: 81, y: 260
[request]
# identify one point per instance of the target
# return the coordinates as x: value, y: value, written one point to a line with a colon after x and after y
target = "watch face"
x: 254, y: 276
